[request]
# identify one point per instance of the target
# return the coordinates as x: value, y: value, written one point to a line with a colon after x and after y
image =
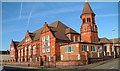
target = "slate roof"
x: 15, y: 43
x: 116, y: 40
x: 104, y: 40
x: 87, y: 9
x: 58, y: 29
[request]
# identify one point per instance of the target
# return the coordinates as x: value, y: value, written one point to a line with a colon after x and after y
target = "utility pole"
x: 113, y: 44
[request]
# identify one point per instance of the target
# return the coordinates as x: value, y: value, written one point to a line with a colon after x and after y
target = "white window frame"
x: 34, y: 49
x: 21, y: 52
x: 108, y: 48
x: 45, y: 44
x: 29, y: 48
x: 79, y: 58
x: 94, y: 47
x: 49, y: 58
x: 25, y: 51
x: 30, y: 59
x: 36, y: 59
x: 18, y: 53
x: 83, y: 48
x: 61, y: 57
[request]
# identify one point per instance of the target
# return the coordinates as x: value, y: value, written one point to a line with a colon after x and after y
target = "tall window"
x: 69, y: 49
x: 12, y: 52
x: 84, y: 20
x: 93, y: 20
x: 45, y: 44
x: 21, y: 52
x: 29, y: 49
x: 93, y: 48
x: 108, y: 48
x: 72, y: 38
x: 25, y: 51
x: 85, y: 29
x: 34, y: 50
x: 93, y: 28
x: 84, y: 48
x: 18, y: 53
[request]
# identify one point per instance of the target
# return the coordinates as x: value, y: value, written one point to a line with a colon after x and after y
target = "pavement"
x: 107, y: 65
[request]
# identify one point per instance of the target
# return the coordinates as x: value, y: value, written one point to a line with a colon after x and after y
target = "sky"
x: 18, y: 17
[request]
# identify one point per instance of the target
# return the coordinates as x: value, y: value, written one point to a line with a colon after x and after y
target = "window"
x: 93, y: 20
x: 85, y: 29
x: 45, y: 44
x: 84, y: 20
x: 84, y: 48
x: 26, y: 40
x: 30, y: 59
x: 29, y: 49
x: 92, y: 28
x: 34, y: 50
x: 88, y: 20
x: 18, y: 53
x: 25, y: 51
x: 108, y: 48
x: 36, y: 59
x: 61, y: 57
x: 93, y: 48
x: 69, y: 49
x: 12, y: 52
x: 72, y: 38
x: 21, y: 52
x: 25, y: 59
x: 49, y: 58
x: 76, y: 38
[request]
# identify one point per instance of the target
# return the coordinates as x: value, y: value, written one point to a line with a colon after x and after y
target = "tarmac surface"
x: 108, y: 65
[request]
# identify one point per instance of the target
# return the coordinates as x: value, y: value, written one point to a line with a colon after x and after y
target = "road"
x: 111, y: 64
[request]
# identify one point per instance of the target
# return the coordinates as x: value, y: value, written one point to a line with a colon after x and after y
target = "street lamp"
x: 113, y: 44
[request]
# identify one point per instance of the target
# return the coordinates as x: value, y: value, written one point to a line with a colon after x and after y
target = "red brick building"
x: 58, y: 42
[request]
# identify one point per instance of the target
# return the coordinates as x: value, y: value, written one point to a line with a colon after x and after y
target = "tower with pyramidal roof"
x: 89, y: 31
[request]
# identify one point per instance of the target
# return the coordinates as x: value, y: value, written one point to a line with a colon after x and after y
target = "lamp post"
x: 113, y: 44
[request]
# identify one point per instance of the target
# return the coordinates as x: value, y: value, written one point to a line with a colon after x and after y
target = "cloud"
x: 29, y: 20
x: 45, y: 12
x: 20, y: 10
